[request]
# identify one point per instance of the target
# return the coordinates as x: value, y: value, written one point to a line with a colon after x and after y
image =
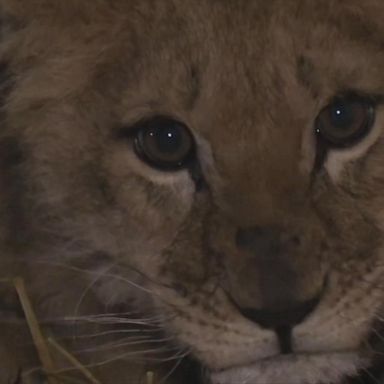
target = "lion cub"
x: 192, y: 191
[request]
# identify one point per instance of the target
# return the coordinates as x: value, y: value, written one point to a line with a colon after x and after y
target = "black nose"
x: 277, y: 319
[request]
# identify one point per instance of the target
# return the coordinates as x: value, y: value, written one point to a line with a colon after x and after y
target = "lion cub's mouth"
x: 311, y: 368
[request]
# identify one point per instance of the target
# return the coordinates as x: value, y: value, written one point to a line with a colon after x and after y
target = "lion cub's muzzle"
x: 280, y: 282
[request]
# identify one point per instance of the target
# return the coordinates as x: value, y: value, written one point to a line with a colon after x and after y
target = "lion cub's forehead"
x: 248, y: 77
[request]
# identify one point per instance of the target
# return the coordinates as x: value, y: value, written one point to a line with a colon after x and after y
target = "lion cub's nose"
x: 278, y: 319
x: 273, y: 290
x: 281, y: 321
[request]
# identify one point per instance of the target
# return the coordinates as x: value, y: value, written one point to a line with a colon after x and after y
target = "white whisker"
x: 173, y: 369
x: 113, y: 320
x: 115, y: 332
x: 144, y: 340
x: 92, y: 272
x: 138, y: 356
x: 90, y: 286
x: 373, y: 378
x: 129, y: 354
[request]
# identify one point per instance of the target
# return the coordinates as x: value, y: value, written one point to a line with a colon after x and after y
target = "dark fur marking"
x: 12, y: 191
x: 8, y: 24
x: 306, y: 76
x: 304, y: 71
x: 196, y: 175
x: 194, y: 87
x: 11, y: 182
x: 6, y: 83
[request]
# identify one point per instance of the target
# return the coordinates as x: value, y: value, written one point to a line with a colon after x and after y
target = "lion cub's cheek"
x: 151, y: 205
x: 160, y: 189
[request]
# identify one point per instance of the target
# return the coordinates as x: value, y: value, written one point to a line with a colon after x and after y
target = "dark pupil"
x: 168, y: 140
x: 345, y: 121
x: 342, y: 116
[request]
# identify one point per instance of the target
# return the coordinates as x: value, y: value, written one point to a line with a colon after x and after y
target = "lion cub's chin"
x: 296, y: 369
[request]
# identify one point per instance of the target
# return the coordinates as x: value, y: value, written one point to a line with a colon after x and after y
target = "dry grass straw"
x: 36, y: 332
x: 43, y: 344
x: 150, y: 378
x: 72, y: 359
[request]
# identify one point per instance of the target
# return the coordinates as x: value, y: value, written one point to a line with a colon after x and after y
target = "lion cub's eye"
x: 164, y: 143
x: 345, y: 121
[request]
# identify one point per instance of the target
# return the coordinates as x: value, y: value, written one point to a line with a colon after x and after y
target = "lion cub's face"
x: 230, y: 154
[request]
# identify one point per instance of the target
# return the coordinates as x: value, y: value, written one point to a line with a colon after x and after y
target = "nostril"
x: 295, y: 240
x: 245, y: 237
x: 280, y: 319
x: 266, y: 240
x: 260, y: 239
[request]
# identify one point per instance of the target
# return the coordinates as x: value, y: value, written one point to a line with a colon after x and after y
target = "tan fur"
x: 93, y: 230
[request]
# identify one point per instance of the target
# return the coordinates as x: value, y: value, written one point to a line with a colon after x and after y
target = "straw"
x: 72, y: 359
x: 36, y: 332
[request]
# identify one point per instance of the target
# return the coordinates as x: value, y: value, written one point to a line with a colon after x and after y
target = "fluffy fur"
x: 130, y: 267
